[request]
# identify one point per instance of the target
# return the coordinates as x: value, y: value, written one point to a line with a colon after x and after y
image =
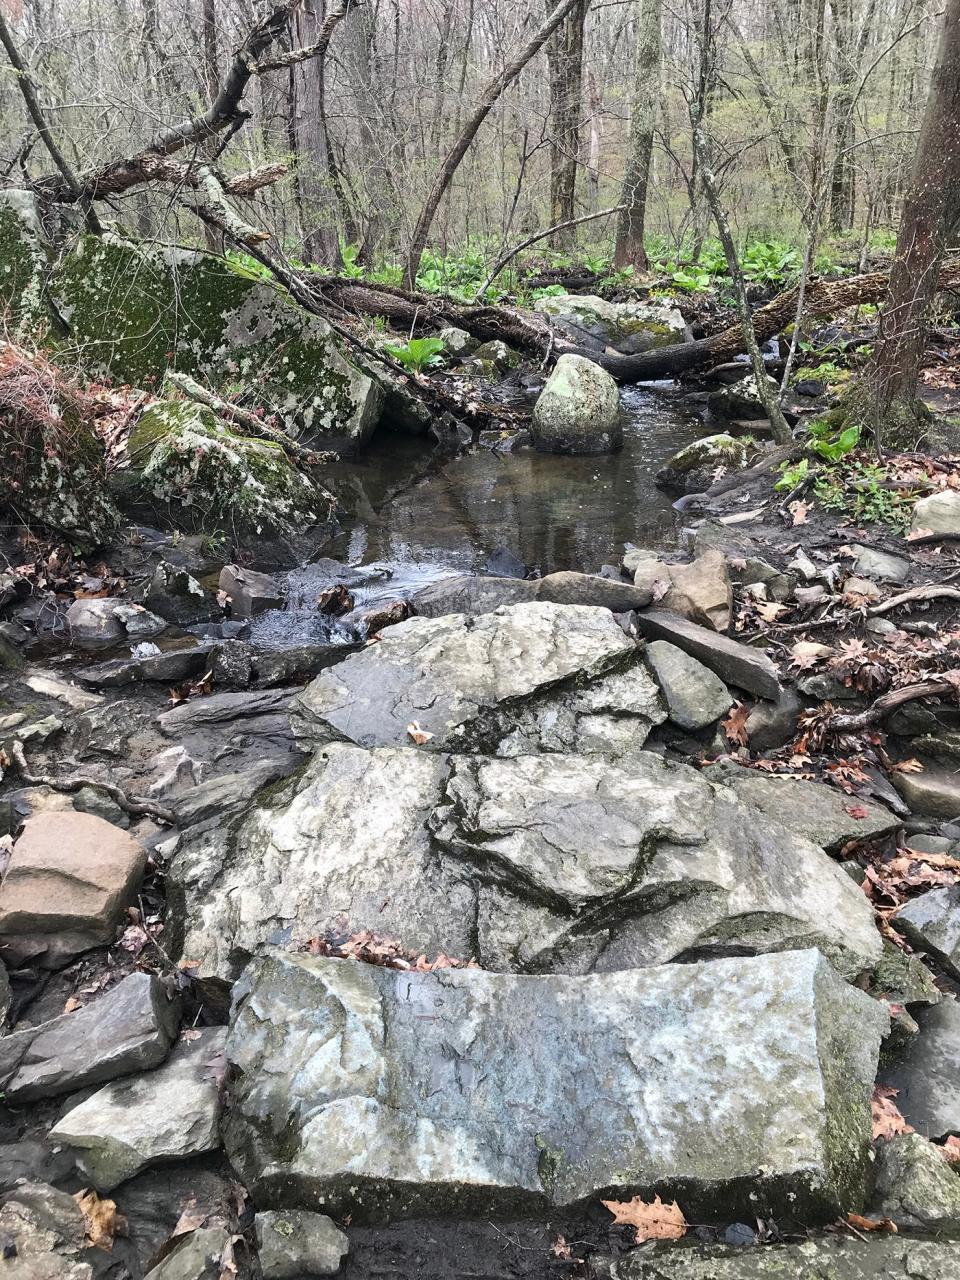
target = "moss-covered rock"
x: 187, y: 461
x: 24, y: 260
x: 134, y: 312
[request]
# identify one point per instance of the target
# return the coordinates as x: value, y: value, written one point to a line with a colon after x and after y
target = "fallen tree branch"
x: 163, y: 169
x: 931, y: 592
x: 135, y: 805
x: 853, y: 722
x: 542, y: 235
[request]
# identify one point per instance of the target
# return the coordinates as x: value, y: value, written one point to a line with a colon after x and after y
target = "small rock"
x: 695, y: 696
x: 496, y: 352
x: 128, y: 1029
x: 457, y: 342
x: 92, y: 800
x: 40, y: 1223
x: 591, y: 589
x: 51, y: 686
x: 903, y: 979
x: 923, y: 843
x: 167, y: 1114
x: 295, y: 1244
x: 926, y: 1075
x: 250, y: 592
x: 737, y: 664
x: 199, y: 1256
x: 938, y: 513
x: 70, y: 876
x: 915, y: 1186
x: 174, y: 594
x: 700, y: 590
x: 773, y: 724
x: 167, y: 667
x: 739, y: 1235
x: 934, y: 793
x: 232, y: 664
x: 863, y: 587
x: 40, y: 730
x: 473, y: 595
x: 932, y: 924
x: 881, y: 565
x: 108, y: 621
x: 578, y: 410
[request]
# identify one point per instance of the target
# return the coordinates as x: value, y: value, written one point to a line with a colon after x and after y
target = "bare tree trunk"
x: 488, y: 98
x: 842, y: 191
x: 211, y: 76
x: 630, y: 226
x: 886, y: 400
x: 565, y: 62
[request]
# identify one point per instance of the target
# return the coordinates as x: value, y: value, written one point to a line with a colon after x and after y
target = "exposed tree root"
x: 136, y: 805
x: 854, y: 722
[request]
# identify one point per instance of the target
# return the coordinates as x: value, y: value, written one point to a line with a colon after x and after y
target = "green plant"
x: 861, y: 490
x: 350, y: 268
x: 829, y: 446
x: 417, y: 354
x: 792, y: 474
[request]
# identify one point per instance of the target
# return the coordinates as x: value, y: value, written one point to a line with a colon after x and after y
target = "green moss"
x: 189, y: 462
x: 24, y: 261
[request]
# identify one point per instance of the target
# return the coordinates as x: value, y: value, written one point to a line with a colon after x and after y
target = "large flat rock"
x: 831, y: 1258
x: 558, y: 677
x: 742, y: 1084
x: 550, y: 863
x: 927, y: 1074
x: 735, y: 663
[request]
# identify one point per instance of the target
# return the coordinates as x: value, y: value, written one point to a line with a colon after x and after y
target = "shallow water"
x: 550, y: 511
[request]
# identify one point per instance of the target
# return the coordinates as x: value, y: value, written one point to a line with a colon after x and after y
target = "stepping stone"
x: 472, y: 682
x: 294, y: 1244
x: 552, y: 863
x: 129, y: 1028
x: 250, y: 592
x: 168, y: 1114
x: 70, y: 877
x: 382, y: 1093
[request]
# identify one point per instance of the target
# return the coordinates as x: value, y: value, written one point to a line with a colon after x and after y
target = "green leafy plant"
x: 417, y: 354
x: 860, y: 489
x: 830, y: 446
x: 792, y: 474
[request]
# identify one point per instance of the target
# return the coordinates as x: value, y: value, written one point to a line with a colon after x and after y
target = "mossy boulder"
x: 692, y: 468
x: 186, y: 460
x: 24, y: 261
x: 628, y: 327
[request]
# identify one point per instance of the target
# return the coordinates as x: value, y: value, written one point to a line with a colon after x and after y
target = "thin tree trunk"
x: 630, y: 226
x: 488, y: 98
x: 565, y: 61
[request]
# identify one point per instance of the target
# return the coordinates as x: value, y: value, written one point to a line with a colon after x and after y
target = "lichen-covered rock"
x: 628, y: 327
x: 578, y: 410
x: 915, y: 1186
x: 135, y: 312
x: 694, y: 467
x: 294, y: 1244
x: 830, y: 1258
x: 188, y: 460
x: 551, y: 863
x: 931, y: 923
x: 24, y: 259
x: 383, y: 1093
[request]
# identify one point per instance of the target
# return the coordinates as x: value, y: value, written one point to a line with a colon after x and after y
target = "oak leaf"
x: 419, y: 736
x: 101, y: 1222
x: 735, y: 725
x: 871, y: 1224
x: 887, y: 1120
x: 653, y: 1221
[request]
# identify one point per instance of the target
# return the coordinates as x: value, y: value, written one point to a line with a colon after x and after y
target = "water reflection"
x: 553, y: 512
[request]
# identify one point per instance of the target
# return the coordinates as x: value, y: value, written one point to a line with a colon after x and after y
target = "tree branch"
x: 542, y: 235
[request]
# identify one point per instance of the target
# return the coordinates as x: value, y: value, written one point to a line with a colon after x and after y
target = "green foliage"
x: 766, y: 262
x: 792, y: 474
x: 350, y: 268
x: 826, y: 371
x: 859, y: 489
x: 417, y: 354
x: 770, y: 262
x: 830, y: 446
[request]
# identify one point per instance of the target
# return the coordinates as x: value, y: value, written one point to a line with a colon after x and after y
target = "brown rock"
x: 700, y: 590
x: 70, y: 876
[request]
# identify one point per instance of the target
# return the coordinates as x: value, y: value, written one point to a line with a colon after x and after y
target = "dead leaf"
x: 858, y: 811
x: 907, y: 766
x: 887, y: 1120
x: 735, y: 725
x: 419, y: 736
x: 871, y: 1224
x: 101, y: 1222
x: 951, y: 1149
x: 560, y: 1248
x: 655, y: 1221
x: 799, y: 511
x: 807, y: 653
x: 72, y: 1005
x: 769, y: 610
x: 190, y: 1219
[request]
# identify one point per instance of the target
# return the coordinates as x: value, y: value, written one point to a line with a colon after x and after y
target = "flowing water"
x: 415, y: 517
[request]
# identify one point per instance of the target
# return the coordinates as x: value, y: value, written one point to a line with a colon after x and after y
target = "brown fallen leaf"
x: 769, y: 610
x: 560, y: 1248
x: 735, y: 725
x: 799, y: 510
x: 858, y: 811
x: 654, y: 1221
x: 951, y: 1149
x: 871, y: 1224
x: 887, y: 1120
x: 807, y: 653
x: 101, y: 1222
x: 419, y: 736
x: 72, y: 1005
x: 907, y: 766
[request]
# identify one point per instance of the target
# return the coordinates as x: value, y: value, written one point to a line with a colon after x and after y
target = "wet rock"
x: 931, y: 923
x: 700, y: 590
x: 92, y: 800
x: 51, y: 686
x: 154, y: 1201
x: 811, y: 809
x: 231, y: 792
x: 29, y: 1160
x: 198, y: 1257
x: 926, y: 1074
x: 175, y: 594
x: 695, y: 696
x: 232, y: 663
x: 286, y: 666
x: 250, y: 592
x: 550, y: 863
x: 741, y: 400
x: 462, y: 679
x: 772, y: 724
x: 915, y: 1187
x: 403, y: 1110
x: 935, y: 792
x: 879, y: 1258
x: 693, y: 468
x: 939, y: 513
x: 903, y: 979
x: 591, y: 589
x: 167, y: 1114
x: 129, y: 1028
x: 69, y: 879
x: 578, y: 410
x: 294, y: 1244
x: 470, y: 594
x: 735, y: 663
x: 167, y: 668
x: 106, y: 621
x: 624, y: 326
x: 224, y: 708
x: 881, y: 565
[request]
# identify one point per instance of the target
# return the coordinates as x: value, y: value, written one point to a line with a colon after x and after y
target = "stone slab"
x: 735, y: 663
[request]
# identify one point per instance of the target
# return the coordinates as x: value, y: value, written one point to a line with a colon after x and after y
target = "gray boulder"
x: 544, y: 863
x: 465, y: 1091
x: 167, y: 1114
x: 198, y: 1256
x: 466, y: 680
x: 249, y: 592
x: 42, y: 1231
x: 468, y: 593
x: 578, y: 410
x: 294, y: 1244
x: 830, y: 1258
x: 938, y: 513
x: 174, y: 594
x: 128, y: 1029
x: 915, y: 1186
x: 871, y: 563
x: 695, y: 697
x: 111, y: 621
x: 932, y: 924
x: 926, y: 1075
